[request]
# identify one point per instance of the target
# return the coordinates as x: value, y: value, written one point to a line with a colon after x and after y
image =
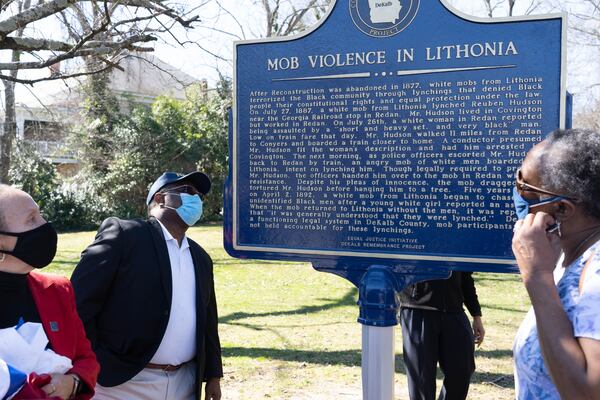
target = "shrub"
x: 76, y: 206
x: 30, y: 172
x: 68, y: 205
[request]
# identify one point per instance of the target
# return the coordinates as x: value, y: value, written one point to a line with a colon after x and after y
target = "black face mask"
x: 36, y: 247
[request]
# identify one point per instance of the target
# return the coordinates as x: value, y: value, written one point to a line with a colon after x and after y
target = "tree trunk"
x: 9, y: 131
x: 511, y: 6
x: 102, y: 108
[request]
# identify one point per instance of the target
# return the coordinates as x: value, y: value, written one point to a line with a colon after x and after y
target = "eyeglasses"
x: 522, y: 186
x: 189, y: 189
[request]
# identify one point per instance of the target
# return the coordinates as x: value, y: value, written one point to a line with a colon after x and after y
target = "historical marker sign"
x: 390, y: 132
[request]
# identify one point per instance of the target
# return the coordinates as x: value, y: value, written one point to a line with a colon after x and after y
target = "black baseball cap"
x: 199, y: 180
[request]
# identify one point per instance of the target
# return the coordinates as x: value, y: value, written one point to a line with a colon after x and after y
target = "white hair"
x: 571, y: 166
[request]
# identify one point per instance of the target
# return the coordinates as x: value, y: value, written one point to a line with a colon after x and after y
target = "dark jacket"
x: 123, y: 290
x: 446, y: 295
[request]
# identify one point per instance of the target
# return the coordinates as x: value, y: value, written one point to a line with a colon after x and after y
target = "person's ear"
x: 159, y: 198
x: 564, y: 209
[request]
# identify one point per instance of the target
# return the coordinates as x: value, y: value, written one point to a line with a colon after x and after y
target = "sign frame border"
x: 357, y: 254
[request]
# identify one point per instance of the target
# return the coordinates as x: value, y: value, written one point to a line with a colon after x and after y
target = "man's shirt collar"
x: 168, y: 237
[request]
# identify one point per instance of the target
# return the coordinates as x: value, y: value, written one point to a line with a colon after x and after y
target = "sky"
x: 583, y: 61
x: 209, y: 48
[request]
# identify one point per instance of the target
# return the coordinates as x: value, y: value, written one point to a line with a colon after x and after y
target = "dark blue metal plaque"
x: 390, y: 135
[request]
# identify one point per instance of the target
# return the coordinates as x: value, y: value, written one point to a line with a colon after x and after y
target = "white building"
x: 43, y: 118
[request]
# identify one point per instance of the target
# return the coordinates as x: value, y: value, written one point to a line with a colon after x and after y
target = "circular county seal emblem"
x: 383, y: 18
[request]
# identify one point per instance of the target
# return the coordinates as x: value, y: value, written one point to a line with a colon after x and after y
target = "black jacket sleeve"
x: 470, y: 294
x: 214, y: 364
x: 94, y: 274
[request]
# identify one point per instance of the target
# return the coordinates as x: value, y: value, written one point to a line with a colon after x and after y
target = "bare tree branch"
x: 158, y: 6
x: 285, y: 19
x: 45, y: 9
x: 226, y: 33
x: 73, y: 34
x: 53, y: 78
x: 83, y: 44
x: 511, y: 7
x: 81, y: 18
x: 37, y: 13
x: 92, y: 48
x: 40, y: 102
x: 533, y: 7
x: 232, y: 16
x: 111, y: 63
x: 297, y: 17
x: 205, y: 49
x: 96, y: 36
x: 160, y: 68
x: 4, y: 4
x: 29, y: 44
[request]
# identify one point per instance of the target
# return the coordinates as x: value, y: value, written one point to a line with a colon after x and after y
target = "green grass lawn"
x: 289, y: 332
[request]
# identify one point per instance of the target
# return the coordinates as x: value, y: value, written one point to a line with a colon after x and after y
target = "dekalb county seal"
x: 383, y: 18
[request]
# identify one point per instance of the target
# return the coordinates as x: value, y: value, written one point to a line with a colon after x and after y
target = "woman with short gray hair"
x: 557, y: 197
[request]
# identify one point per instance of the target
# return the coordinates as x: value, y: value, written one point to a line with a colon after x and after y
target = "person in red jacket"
x: 28, y: 242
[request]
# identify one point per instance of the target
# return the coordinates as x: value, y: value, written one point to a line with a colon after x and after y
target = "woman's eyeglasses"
x: 522, y: 186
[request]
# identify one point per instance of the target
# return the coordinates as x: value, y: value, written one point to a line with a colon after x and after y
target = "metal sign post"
x: 379, y: 308
x: 378, y: 362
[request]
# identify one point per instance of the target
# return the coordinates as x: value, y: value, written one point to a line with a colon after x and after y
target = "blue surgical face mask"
x: 190, y: 209
x: 523, y: 205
